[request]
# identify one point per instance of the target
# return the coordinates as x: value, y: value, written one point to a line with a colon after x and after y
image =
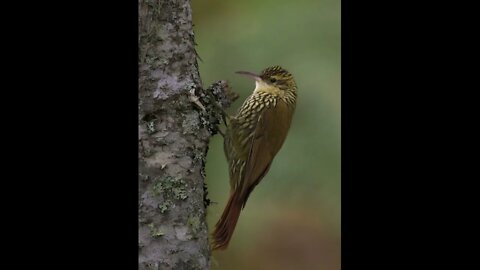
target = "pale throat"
x: 261, y: 86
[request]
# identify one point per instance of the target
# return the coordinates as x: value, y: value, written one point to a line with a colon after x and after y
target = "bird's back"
x: 262, y: 114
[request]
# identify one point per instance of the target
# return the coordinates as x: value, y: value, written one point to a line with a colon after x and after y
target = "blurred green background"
x: 292, y: 218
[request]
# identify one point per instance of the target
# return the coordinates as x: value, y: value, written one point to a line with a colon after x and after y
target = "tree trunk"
x: 176, y: 120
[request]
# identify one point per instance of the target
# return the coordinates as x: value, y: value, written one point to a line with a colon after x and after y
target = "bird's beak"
x: 250, y: 74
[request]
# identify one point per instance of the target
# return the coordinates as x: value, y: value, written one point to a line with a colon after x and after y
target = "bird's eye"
x: 272, y: 80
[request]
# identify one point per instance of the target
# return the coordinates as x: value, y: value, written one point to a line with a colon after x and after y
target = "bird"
x: 253, y: 137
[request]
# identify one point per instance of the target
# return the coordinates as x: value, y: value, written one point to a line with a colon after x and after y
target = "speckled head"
x: 273, y: 77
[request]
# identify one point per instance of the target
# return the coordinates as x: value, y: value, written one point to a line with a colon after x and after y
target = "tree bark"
x: 177, y: 117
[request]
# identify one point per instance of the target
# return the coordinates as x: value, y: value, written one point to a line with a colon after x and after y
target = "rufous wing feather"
x: 270, y: 133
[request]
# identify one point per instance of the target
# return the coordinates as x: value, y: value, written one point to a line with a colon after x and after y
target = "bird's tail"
x: 226, y: 225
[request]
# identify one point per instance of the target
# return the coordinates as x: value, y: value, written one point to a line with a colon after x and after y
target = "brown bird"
x: 253, y: 137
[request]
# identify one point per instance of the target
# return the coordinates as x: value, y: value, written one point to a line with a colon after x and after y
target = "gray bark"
x: 176, y: 120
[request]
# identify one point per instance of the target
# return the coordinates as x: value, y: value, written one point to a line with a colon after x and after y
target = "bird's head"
x: 275, y: 80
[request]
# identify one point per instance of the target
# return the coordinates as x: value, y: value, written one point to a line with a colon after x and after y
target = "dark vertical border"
x: 116, y: 225
x: 95, y: 204
x: 372, y: 123
x: 74, y: 203
x: 394, y: 143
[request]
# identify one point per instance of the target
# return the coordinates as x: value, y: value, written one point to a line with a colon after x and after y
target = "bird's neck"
x: 262, y: 87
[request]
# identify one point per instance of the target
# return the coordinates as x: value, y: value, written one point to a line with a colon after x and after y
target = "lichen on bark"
x: 177, y: 117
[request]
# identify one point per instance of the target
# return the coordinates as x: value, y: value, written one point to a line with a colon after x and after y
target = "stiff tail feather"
x: 226, y: 225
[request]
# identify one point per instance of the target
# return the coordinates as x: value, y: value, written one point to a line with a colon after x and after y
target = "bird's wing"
x: 269, y: 135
